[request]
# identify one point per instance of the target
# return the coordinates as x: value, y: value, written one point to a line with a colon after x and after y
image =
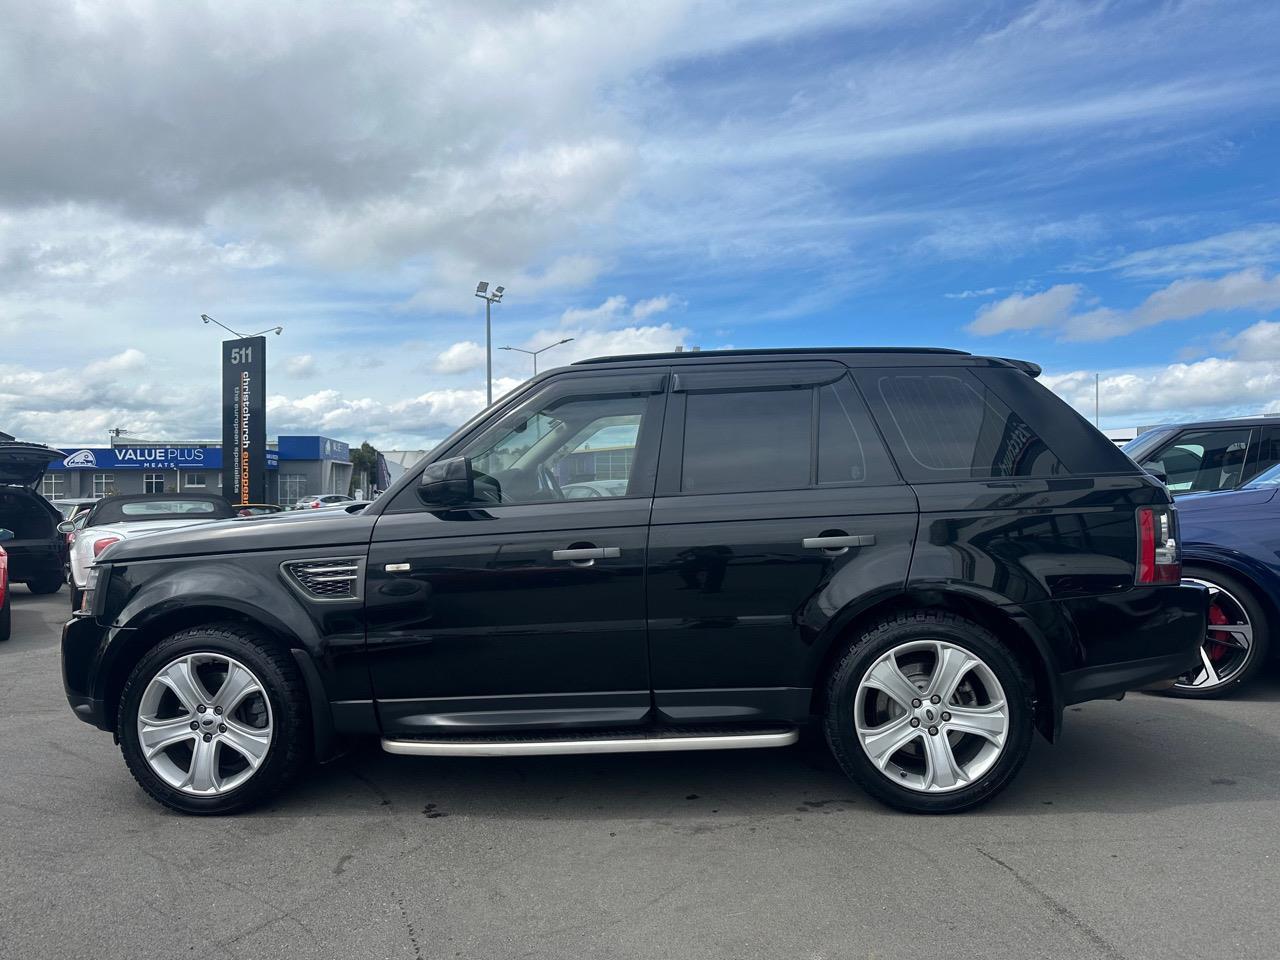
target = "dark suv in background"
x: 926, y: 552
x: 1208, y: 455
x: 37, y: 551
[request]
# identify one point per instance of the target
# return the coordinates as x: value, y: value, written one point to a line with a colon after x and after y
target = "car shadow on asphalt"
x: 1141, y: 755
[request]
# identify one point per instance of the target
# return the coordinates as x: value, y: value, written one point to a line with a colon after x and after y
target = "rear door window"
x: 946, y: 424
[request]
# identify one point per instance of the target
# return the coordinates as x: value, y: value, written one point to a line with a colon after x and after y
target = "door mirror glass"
x: 66, y: 526
x: 447, y: 483
x: 6, y: 534
x: 1157, y: 470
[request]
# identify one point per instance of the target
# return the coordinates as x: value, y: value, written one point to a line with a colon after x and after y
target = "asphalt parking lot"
x: 1152, y: 830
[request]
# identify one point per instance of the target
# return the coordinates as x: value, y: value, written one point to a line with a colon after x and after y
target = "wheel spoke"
x: 884, y: 741
x: 238, y: 684
x: 989, y: 721
x: 186, y: 686
x: 250, y: 743
x: 157, y: 736
x: 202, y: 776
x: 1239, y: 635
x: 952, y: 664
x: 887, y: 678
x: 1210, y: 675
x: 941, y: 770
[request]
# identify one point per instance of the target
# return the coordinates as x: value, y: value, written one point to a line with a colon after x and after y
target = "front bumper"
x: 82, y: 641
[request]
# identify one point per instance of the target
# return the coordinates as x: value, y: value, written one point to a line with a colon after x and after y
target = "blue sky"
x: 1089, y: 185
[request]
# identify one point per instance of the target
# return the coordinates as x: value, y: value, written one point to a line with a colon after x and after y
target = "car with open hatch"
x: 37, y: 550
x: 925, y: 554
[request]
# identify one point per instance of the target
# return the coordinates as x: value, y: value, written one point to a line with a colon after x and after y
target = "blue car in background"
x: 1231, y: 544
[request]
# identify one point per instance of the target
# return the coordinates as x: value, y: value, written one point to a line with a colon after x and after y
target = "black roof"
x: 110, y: 509
x: 914, y: 354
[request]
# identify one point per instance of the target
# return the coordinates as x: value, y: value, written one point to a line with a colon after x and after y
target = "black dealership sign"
x: 244, y: 420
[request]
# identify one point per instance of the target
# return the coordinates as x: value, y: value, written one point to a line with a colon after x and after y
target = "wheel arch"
x: 150, y: 627
x: 1010, y: 625
x: 1263, y: 584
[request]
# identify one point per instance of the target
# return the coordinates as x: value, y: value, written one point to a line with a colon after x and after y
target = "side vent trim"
x: 326, y: 579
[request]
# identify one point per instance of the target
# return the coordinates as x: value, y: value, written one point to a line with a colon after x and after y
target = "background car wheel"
x: 77, y: 598
x: 929, y: 713
x: 6, y: 621
x: 49, y: 583
x: 214, y: 720
x: 1236, y: 643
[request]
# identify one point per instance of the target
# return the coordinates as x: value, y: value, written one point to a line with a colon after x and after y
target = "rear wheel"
x: 77, y: 598
x: 1236, y: 642
x: 6, y: 620
x: 48, y: 583
x: 214, y: 720
x: 929, y: 713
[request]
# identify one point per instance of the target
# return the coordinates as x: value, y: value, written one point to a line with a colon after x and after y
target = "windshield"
x: 1268, y: 478
x: 1145, y: 442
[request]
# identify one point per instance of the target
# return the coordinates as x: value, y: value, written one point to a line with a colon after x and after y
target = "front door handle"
x: 838, y: 544
x: 585, y: 556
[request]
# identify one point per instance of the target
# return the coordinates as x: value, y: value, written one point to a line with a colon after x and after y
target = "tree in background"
x: 364, y: 471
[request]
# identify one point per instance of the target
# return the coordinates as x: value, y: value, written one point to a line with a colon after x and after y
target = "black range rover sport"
x: 925, y: 552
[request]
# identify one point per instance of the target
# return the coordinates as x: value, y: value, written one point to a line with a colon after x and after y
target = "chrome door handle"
x: 839, y: 544
x: 587, y: 554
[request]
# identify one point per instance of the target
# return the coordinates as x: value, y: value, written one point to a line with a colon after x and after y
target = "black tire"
x: 49, y: 583
x: 77, y: 597
x: 290, y: 748
x: 6, y: 620
x: 1259, y: 649
x: 906, y: 627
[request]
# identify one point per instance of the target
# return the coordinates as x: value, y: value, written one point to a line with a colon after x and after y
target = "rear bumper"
x: 1168, y: 627
x: 81, y: 642
x: 30, y: 559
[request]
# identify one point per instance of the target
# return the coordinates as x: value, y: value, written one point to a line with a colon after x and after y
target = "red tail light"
x: 1159, y: 558
x: 100, y: 545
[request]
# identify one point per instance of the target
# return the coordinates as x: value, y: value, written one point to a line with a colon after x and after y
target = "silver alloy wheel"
x: 931, y: 716
x: 200, y: 742
x: 1227, y: 645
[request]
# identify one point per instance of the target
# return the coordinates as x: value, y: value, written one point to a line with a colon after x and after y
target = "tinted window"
x: 949, y: 425
x: 1268, y: 452
x: 1202, y: 460
x: 747, y: 440
x: 849, y: 449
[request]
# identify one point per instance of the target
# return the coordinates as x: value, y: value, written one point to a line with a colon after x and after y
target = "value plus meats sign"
x: 244, y: 421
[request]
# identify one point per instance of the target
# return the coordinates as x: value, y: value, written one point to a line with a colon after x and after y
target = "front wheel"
x: 6, y: 620
x: 1236, y: 641
x: 929, y: 713
x: 214, y: 720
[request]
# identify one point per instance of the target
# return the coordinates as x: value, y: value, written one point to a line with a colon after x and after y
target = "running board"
x: 639, y: 743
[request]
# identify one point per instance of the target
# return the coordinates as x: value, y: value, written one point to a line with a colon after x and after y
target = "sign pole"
x: 244, y: 420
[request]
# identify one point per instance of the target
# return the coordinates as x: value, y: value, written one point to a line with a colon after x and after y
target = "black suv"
x: 1208, y: 455
x: 925, y: 551
x: 37, y: 551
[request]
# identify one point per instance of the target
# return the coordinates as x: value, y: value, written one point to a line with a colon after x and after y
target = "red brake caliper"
x: 1218, y: 650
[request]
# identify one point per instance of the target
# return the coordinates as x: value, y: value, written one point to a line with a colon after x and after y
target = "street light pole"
x: 534, y: 353
x: 482, y: 291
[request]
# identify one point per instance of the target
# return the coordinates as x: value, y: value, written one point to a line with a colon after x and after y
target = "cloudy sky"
x: 1089, y: 185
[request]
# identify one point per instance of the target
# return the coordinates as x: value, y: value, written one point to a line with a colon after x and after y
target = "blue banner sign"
x: 141, y: 458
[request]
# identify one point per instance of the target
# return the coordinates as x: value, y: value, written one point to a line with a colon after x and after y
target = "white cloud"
x: 302, y: 366
x: 460, y: 358
x: 1255, y: 245
x: 1052, y: 310
x: 1019, y: 311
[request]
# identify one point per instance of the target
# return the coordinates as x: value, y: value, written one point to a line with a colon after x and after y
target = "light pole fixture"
x: 534, y: 353
x: 482, y: 291
x: 242, y: 336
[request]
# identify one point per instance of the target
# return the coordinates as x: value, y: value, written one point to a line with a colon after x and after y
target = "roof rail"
x: 767, y: 351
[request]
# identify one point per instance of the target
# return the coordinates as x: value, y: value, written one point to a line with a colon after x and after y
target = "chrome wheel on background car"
x: 931, y: 716
x: 1234, y: 643
x: 204, y: 724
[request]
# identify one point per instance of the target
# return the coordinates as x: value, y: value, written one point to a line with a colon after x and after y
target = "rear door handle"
x: 579, y: 554
x: 839, y: 543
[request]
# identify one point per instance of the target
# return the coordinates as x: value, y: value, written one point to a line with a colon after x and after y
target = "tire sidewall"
x: 1260, y: 647
x: 842, y: 692
x: 287, y: 723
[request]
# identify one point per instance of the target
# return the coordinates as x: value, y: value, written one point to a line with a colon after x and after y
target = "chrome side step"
x: 615, y: 744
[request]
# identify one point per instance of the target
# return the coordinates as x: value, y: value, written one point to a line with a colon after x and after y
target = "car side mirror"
x: 447, y: 483
x: 5, y: 534
x: 67, y: 526
x: 1157, y: 470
